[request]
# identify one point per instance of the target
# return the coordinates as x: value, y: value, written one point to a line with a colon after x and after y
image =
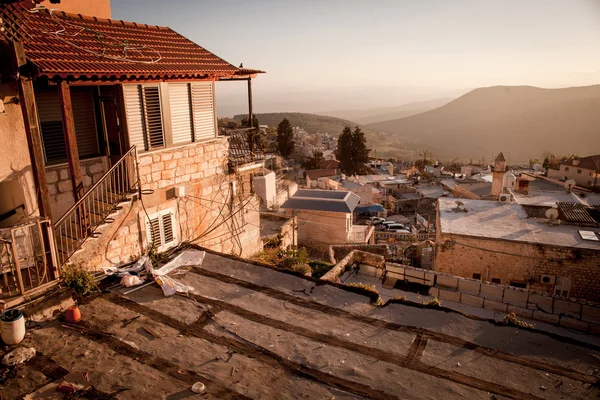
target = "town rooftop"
x: 251, y: 332
x: 495, y: 220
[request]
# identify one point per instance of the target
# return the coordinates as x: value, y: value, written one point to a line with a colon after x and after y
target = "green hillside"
x: 311, y: 123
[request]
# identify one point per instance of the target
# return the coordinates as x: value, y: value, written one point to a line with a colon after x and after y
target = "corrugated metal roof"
x: 66, y: 45
x: 323, y: 200
x: 574, y: 212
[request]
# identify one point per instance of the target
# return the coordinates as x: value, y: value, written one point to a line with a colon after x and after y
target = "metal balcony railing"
x: 242, y: 147
x: 95, y: 206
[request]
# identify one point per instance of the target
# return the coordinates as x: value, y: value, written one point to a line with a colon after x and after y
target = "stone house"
x: 499, y: 243
x: 585, y: 171
x: 325, y: 217
x: 110, y: 141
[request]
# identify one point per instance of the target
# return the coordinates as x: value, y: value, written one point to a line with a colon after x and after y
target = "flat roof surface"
x: 251, y: 332
x: 322, y: 200
x: 481, y: 189
x: 495, y: 220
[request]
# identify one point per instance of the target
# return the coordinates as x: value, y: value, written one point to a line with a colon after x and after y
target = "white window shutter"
x: 181, y: 113
x: 135, y: 116
x: 160, y: 230
x: 203, y: 110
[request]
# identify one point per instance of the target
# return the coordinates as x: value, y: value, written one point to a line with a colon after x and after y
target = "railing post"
x: 137, y: 172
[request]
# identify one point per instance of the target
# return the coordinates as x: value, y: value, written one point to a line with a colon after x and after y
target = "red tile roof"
x: 66, y: 45
x: 315, y: 174
x: 330, y: 164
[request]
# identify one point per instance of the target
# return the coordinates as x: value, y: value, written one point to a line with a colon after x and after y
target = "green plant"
x: 78, y: 279
x: 511, y: 319
x: 320, y: 268
x: 304, y: 269
x: 293, y: 257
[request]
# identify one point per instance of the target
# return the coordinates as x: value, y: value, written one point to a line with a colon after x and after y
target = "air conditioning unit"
x: 505, y: 198
x: 548, y: 279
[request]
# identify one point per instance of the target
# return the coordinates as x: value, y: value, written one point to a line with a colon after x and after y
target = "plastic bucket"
x: 12, y: 324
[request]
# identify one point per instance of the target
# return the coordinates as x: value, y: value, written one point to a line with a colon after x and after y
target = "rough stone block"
x: 167, y: 174
x: 414, y: 276
x: 144, y: 160
x: 52, y: 189
x: 594, y: 329
x: 64, y: 174
x: 96, y: 168
x: 449, y: 295
x: 567, y: 307
x: 52, y: 176
x: 538, y: 301
x: 574, y: 323
x: 495, y: 305
x: 520, y: 311
x: 166, y: 156
x: 492, y: 292
x: 65, y: 186
x: 468, y: 286
x: 446, y: 281
x: 429, y: 278
x: 158, y: 166
x: 590, y: 314
x: 394, y: 268
x: 435, y: 292
x: 471, y: 300
x: 389, y: 282
x: 516, y: 298
x: 545, y: 317
x: 395, y: 276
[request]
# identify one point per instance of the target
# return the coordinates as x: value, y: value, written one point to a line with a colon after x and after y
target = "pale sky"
x: 329, y: 54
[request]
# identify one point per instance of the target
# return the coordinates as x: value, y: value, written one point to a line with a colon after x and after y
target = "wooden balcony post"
x: 250, y: 114
x: 32, y: 131
x: 66, y: 109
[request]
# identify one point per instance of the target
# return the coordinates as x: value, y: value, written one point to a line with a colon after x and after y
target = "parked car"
x: 386, y: 223
x: 376, y: 220
x: 398, y: 231
x: 396, y: 227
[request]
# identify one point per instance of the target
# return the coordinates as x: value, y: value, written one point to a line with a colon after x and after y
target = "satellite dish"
x: 569, y: 184
x: 552, y: 214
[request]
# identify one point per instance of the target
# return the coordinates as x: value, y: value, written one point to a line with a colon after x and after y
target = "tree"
x: 315, y: 161
x: 424, y: 161
x: 245, y: 123
x: 285, y: 138
x: 352, y: 151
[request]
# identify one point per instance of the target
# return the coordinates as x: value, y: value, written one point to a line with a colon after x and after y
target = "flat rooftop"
x: 251, y: 332
x: 495, y: 220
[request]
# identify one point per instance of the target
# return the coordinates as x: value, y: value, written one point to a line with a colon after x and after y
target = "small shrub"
x: 511, y: 319
x: 402, y: 298
x: 434, y: 303
x: 272, y: 243
x: 364, y: 286
x: 320, y: 268
x: 294, y: 257
x: 78, y: 279
x: 304, y: 269
x: 380, y: 302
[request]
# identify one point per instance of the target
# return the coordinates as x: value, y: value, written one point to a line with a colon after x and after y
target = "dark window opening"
x: 496, y: 280
x: 477, y: 276
x: 518, y: 284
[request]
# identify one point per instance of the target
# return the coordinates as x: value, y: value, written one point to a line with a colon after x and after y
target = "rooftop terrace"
x: 251, y: 332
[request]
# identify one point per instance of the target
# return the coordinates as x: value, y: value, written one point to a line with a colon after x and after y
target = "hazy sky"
x: 324, y: 54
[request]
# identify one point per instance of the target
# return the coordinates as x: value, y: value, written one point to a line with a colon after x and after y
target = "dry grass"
x: 511, y: 319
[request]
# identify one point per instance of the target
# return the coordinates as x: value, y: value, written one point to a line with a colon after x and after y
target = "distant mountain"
x: 311, y: 123
x: 372, y: 115
x: 521, y: 121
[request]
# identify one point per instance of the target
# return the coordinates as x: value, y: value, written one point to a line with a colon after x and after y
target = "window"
x: 51, y: 125
x: 519, y: 284
x: 562, y: 286
x: 579, y: 171
x: 169, y: 114
x: 496, y: 280
x: 477, y: 276
x: 160, y: 230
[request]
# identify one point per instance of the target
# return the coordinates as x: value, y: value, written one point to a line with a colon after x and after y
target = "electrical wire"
x: 104, y: 41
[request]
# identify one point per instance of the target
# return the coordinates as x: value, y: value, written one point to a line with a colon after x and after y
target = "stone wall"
x: 522, y: 263
x: 463, y: 193
x: 323, y: 226
x: 212, y: 208
x: 574, y: 314
x: 60, y: 187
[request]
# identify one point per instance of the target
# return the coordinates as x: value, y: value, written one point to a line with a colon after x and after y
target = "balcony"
x: 360, y: 233
x: 243, y: 152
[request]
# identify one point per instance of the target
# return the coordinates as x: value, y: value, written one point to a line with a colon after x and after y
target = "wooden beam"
x: 250, y: 104
x: 66, y: 109
x: 32, y: 131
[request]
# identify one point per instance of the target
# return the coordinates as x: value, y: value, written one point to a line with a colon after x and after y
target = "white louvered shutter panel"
x: 48, y: 106
x: 135, y: 116
x: 160, y: 230
x: 84, y: 116
x: 181, y: 113
x: 153, y: 116
x: 203, y: 109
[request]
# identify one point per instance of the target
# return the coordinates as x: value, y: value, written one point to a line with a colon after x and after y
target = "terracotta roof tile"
x: 107, y: 49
